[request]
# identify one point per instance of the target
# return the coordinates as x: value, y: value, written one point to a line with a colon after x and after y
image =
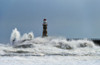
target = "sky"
x: 68, y: 18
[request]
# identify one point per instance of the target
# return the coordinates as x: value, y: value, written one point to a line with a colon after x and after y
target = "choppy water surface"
x: 50, y: 46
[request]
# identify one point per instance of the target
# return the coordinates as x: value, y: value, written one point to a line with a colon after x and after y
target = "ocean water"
x: 50, y: 46
x: 27, y: 50
x: 50, y: 51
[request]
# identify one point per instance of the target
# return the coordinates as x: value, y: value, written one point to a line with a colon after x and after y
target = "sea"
x: 51, y: 50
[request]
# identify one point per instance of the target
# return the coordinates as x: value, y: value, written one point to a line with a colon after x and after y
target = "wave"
x: 50, y: 46
x: 29, y: 46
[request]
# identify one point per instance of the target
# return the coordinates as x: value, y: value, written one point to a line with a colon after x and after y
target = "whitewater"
x: 30, y: 50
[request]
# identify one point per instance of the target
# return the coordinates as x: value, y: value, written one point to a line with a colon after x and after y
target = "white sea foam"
x: 48, y: 51
x: 26, y: 36
x: 50, y: 60
x: 29, y: 45
x: 51, y: 46
x: 15, y: 35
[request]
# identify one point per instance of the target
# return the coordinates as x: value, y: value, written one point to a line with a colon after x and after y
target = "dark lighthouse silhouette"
x: 44, y: 34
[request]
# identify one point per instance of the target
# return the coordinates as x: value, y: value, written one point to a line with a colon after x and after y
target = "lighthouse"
x: 44, y: 34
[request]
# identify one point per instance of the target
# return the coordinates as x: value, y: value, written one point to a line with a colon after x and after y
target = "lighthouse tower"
x: 44, y: 34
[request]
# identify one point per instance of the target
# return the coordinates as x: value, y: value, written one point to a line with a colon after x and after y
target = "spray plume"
x: 15, y: 35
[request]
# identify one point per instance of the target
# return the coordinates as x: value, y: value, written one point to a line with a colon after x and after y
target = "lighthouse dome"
x: 44, y: 21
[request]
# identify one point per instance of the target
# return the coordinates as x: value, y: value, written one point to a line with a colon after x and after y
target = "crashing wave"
x: 28, y: 41
x: 15, y: 35
x: 51, y: 46
x: 28, y: 45
x: 18, y: 41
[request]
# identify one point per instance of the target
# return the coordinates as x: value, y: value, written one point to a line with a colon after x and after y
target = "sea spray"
x: 17, y: 38
x: 28, y: 45
x: 51, y: 46
x: 28, y: 36
x: 24, y: 37
x: 15, y: 35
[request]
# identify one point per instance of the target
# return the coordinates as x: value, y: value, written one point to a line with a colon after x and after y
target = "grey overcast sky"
x: 68, y: 18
